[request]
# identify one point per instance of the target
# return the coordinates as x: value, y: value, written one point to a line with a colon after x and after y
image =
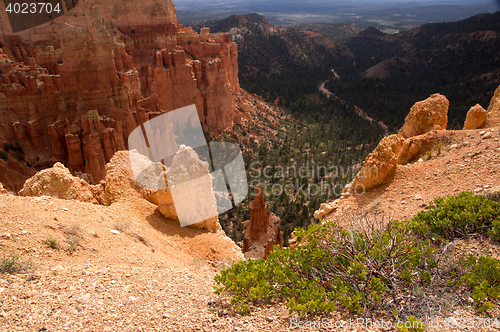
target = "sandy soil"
x: 127, y: 268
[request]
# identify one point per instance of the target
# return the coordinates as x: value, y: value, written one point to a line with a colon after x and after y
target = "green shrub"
x: 357, y: 270
x: 483, y: 279
x: 458, y: 216
x: 73, y: 243
x: 14, y: 264
x: 52, y: 243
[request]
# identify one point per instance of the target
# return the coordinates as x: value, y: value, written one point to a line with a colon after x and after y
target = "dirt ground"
x: 125, y: 267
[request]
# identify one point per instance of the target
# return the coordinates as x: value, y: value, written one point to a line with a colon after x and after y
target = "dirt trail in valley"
x: 358, y: 110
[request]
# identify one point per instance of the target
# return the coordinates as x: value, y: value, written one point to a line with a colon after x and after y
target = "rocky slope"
x: 124, y: 266
x: 407, y: 171
x: 73, y: 89
x: 120, y: 267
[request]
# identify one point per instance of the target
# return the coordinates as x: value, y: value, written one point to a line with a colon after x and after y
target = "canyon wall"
x: 73, y: 89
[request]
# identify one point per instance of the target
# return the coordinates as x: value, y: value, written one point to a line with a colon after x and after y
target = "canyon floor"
x: 125, y: 267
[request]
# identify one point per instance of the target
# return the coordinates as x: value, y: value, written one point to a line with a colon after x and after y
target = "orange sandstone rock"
x: 426, y: 115
x: 58, y: 182
x: 475, y: 117
x: 493, y: 116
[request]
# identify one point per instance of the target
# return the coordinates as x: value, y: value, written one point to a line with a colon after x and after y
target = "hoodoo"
x: 72, y: 90
x: 262, y: 231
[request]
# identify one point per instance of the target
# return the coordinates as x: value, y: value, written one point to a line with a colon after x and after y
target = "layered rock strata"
x: 72, y: 90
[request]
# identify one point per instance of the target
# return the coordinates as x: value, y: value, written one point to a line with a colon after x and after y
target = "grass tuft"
x: 13, y: 264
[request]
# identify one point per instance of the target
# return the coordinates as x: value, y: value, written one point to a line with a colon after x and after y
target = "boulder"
x: 189, y: 195
x: 293, y: 241
x: 120, y: 182
x: 413, y: 148
x: 475, y: 117
x: 493, y: 116
x: 379, y: 165
x: 493, y: 194
x: 325, y: 209
x: 58, y: 182
x: 426, y: 115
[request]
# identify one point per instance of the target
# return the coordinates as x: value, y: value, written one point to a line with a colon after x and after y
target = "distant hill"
x: 391, y: 72
x: 384, y: 15
x: 275, y: 61
x: 382, y: 74
x: 340, y: 32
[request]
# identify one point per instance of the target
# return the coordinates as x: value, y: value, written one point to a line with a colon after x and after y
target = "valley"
x: 390, y: 17
x: 282, y: 64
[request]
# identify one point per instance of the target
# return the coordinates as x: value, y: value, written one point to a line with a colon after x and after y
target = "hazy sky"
x: 194, y: 4
x: 354, y: 2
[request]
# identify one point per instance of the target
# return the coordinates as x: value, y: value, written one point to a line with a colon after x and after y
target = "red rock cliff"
x: 73, y: 89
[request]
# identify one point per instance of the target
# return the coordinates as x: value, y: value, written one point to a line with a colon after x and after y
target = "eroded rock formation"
x: 120, y: 183
x: 414, y: 140
x: 262, y: 231
x: 120, y: 186
x: 58, y: 182
x: 379, y: 164
x: 72, y: 90
x: 426, y: 115
x: 411, y: 142
x: 493, y: 116
x: 475, y: 117
x: 193, y: 197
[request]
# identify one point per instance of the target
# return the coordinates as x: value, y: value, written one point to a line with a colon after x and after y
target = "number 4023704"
x: 33, y: 8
